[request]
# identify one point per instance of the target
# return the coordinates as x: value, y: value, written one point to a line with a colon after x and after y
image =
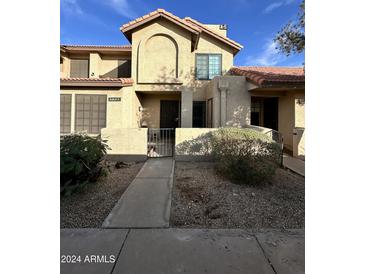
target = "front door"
x: 169, y: 114
x: 271, y: 113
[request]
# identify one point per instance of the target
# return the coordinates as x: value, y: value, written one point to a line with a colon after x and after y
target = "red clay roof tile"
x: 98, y: 46
x: 271, y: 76
x: 188, y: 23
x: 117, y: 81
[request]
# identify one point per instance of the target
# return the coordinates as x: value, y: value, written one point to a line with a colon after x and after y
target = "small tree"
x: 291, y: 38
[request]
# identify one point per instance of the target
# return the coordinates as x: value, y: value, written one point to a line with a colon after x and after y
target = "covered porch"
x: 278, y: 102
x: 282, y: 110
x: 164, y: 109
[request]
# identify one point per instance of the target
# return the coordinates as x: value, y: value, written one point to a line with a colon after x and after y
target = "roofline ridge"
x: 266, y: 67
x: 74, y: 45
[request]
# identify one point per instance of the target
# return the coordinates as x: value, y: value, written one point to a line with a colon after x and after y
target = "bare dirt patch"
x: 91, y: 205
x: 203, y: 199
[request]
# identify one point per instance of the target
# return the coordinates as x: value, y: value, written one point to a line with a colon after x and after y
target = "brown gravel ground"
x: 203, y: 199
x: 92, y: 204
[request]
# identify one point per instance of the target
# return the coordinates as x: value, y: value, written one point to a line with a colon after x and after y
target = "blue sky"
x: 252, y: 23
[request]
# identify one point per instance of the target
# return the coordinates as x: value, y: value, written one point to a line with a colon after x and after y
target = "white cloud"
x: 276, y: 5
x: 269, y: 56
x: 272, y: 6
x: 122, y: 7
x: 71, y: 7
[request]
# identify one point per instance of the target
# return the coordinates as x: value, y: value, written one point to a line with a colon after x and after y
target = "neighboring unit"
x: 177, y: 73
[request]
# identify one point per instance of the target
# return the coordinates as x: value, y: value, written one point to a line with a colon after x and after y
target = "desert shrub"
x: 245, y: 155
x: 80, y: 160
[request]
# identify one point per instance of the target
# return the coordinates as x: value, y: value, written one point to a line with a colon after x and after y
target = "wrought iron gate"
x: 160, y: 142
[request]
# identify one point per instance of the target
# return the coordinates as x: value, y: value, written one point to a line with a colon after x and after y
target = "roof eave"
x: 81, y: 83
x: 126, y: 30
x: 73, y: 49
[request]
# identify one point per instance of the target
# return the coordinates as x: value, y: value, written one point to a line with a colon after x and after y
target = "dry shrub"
x: 245, y: 156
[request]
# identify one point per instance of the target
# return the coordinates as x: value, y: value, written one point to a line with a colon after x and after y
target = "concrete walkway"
x: 182, y: 251
x: 147, y: 201
x: 294, y: 164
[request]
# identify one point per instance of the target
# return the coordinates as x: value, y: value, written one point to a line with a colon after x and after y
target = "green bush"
x: 80, y: 160
x: 245, y: 156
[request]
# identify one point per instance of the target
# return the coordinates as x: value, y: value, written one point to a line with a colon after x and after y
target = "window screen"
x: 202, y: 66
x: 124, y: 68
x: 65, y: 113
x: 79, y: 68
x: 208, y: 66
x: 256, y: 109
x: 90, y: 113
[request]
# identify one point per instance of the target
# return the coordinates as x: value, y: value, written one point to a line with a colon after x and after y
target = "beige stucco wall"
x: 299, y: 143
x: 99, y: 64
x: 154, y: 48
x: 108, y: 64
x: 290, y: 116
x: 236, y: 102
x: 65, y: 66
x: 151, y: 107
x: 94, y: 65
x: 216, y: 28
x: 126, y: 141
x: 120, y: 114
x: 193, y: 144
x: 299, y: 110
x: 176, y: 42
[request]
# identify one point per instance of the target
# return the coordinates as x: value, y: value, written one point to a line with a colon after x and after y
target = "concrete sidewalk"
x: 147, y: 201
x: 182, y: 251
x: 294, y: 164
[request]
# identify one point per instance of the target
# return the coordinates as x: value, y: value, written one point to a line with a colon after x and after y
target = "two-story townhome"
x: 177, y: 73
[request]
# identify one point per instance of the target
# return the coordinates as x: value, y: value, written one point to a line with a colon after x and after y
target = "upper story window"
x: 208, y: 65
x: 79, y: 68
x: 124, y: 68
x: 120, y: 68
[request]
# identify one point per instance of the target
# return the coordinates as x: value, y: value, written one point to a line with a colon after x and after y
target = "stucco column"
x: 186, y: 108
x: 94, y: 65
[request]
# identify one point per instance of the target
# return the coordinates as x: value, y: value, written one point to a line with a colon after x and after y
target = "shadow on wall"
x: 199, y: 146
x: 122, y: 70
x: 190, y: 145
x: 186, y: 80
x: 240, y: 117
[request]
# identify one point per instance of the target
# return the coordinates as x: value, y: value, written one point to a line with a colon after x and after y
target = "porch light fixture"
x: 144, y: 124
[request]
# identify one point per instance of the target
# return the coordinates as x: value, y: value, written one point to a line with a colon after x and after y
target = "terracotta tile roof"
x: 98, y: 46
x: 271, y: 76
x: 188, y: 23
x: 97, y: 81
x: 207, y: 30
x: 154, y: 14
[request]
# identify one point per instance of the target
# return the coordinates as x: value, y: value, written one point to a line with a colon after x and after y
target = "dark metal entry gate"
x: 160, y: 142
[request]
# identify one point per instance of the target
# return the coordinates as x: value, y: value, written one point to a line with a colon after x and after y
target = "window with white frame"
x: 207, y: 66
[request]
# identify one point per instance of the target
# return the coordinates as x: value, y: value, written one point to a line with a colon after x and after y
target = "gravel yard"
x: 91, y: 205
x: 203, y: 199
